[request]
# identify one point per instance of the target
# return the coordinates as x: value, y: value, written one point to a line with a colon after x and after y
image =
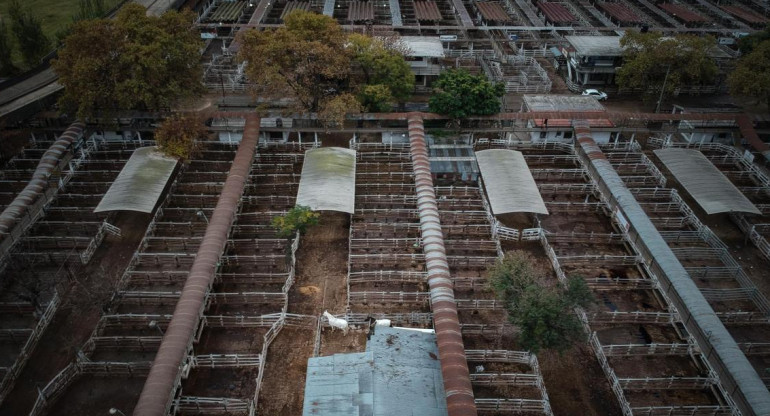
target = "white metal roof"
x: 537, y: 102
x: 509, y: 183
x: 423, y: 46
x: 707, y: 185
x: 328, y: 181
x: 140, y: 183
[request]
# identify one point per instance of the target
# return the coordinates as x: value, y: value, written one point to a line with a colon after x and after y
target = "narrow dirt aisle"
x: 319, y: 285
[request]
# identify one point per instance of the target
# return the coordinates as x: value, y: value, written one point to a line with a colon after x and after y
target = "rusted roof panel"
x: 492, y: 11
x: 748, y: 16
x: 682, y: 13
x: 295, y: 5
x: 427, y: 11
x: 360, y: 11
x: 556, y: 13
x: 620, y: 13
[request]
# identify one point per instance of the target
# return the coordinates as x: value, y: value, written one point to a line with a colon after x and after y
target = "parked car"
x: 596, y: 94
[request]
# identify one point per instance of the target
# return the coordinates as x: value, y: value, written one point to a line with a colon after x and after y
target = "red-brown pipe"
x: 39, y: 181
x: 158, y: 389
x: 454, y: 366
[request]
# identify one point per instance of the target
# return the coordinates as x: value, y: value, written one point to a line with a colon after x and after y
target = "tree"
x: 750, y: 76
x: 376, y: 98
x: 32, y: 42
x: 545, y: 315
x: 333, y: 110
x: 6, y: 62
x: 132, y: 62
x: 649, y: 59
x: 747, y: 44
x: 459, y: 94
x: 381, y: 62
x: 177, y: 136
x: 296, y: 219
x: 87, y: 9
x: 305, y: 60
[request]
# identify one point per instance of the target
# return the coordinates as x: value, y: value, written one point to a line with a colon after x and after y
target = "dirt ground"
x: 576, y: 384
x: 79, y: 313
x: 320, y: 285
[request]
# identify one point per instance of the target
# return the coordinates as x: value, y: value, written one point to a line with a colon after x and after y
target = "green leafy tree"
x: 647, y: 57
x: 7, y: 67
x: 750, y: 76
x: 32, y: 42
x: 376, y: 98
x: 334, y: 109
x: 305, y: 59
x: 381, y: 62
x: 546, y: 321
x: 511, y: 275
x: 178, y: 135
x: 132, y: 62
x: 459, y: 94
x: 747, y: 44
x: 296, y: 219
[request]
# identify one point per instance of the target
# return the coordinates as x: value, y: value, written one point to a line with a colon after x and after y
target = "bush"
x: 296, y: 219
x: 545, y: 316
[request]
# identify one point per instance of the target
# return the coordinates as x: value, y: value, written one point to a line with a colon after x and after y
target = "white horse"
x: 337, y: 322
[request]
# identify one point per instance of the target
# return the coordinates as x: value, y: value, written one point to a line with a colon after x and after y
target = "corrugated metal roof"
x: 535, y: 102
x: 399, y: 374
x: 556, y: 13
x: 140, y: 182
x: 294, y: 5
x: 509, y: 183
x: 359, y: 11
x: 227, y: 12
x: 683, y: 13
x: 427, y: 11
x: 328, y: 181
x: 620, y: 13
x: 747, y: 15
x: 493, y: 11
x: 707, y: 185
x: 596, y: 45
x: 423, y: 46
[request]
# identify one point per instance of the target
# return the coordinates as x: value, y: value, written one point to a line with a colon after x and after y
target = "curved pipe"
x: 39, y: 182
x: 454, y: 366
x: 158, y: 389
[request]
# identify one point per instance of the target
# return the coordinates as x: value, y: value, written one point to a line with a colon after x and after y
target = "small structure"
x: 423, y: 55
x: 620, y: 13
x: 492, y: 13
x: 556, y: 13
x: 684, y: 14
x: 328, y: 181
x: 710, y: 188
x: 707, y: 131
x: 140, y: 183
x: 560, y: 130
x: 592, y: 60
x: 508, y: 182
x: 427, y: 11
x: 398, y: 374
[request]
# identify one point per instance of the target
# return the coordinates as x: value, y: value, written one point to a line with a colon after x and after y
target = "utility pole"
x: 660, y: 98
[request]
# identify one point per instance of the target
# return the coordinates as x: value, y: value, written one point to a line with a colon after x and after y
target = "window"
x: 568, y: 134
x: 543, y: 134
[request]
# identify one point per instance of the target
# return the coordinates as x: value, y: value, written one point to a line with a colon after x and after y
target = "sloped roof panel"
x: 492, y: 10
x: 682, y: 13
x: 360, y: 11
x: 141, y: 182
x: 427, y: 11
x: 620, y: 12
x: 707, y: 185
x: 556, y: 13
x: 509, y: 183
x: 328, y: 181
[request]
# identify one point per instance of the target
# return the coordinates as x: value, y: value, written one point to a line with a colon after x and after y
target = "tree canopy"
x: 750, y: 76
x: 177, y: 136
x: 6, y: 61
x: 747, y: 44
x: 132, y: 62
x: 545, y: 315
x: 459, y: 94
x: 299, y: 218
x: 314, y: 62
x: 648, y: 56
x: 33, y: 43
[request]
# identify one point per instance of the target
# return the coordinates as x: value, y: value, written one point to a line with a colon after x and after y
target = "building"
x: 424, y: 57
x: 398, y: 374
x: 561, y: 130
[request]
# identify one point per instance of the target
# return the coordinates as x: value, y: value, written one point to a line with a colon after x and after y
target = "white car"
x: 596, y: 94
